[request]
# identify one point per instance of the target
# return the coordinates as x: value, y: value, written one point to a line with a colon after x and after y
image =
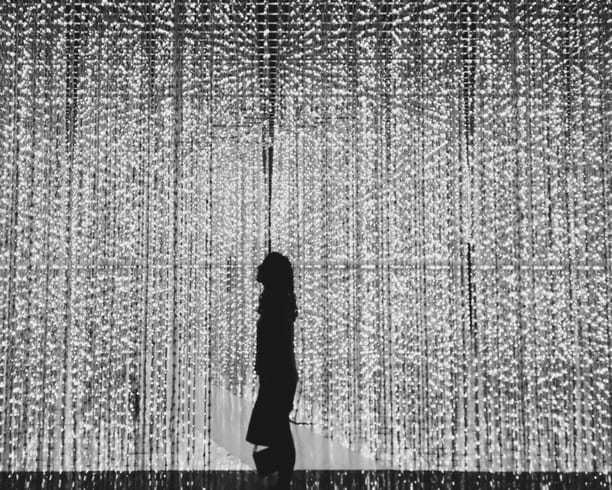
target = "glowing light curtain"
x: 443, y: 185
x: 440, y: 181
x: 127, y: 184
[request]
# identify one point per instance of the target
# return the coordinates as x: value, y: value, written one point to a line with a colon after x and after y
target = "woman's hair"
x: 276, y: 275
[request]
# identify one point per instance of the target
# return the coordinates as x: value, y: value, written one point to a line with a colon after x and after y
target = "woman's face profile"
x: 271, y: 270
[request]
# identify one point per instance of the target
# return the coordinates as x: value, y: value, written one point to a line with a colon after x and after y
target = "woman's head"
x: 275, y: 272
x: 276, y: 275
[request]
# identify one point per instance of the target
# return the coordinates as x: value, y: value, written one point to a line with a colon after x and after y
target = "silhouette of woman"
x: 275, y: 364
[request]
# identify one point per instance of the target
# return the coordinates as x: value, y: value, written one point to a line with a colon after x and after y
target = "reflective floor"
x: 314, y: 451
x: 320, y: 464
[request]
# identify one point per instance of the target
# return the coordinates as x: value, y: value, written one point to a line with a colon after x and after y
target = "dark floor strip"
x: 312, y: 479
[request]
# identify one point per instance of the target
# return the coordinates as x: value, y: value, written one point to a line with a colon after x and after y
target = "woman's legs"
x: 285, y: 448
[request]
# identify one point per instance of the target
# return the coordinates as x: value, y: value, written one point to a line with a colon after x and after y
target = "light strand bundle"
x: 440, y: 181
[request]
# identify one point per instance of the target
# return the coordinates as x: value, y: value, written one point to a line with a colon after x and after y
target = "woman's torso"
x: 275, y: 357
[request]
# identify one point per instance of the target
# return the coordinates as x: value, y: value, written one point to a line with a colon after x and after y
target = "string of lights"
x: 437, y: 172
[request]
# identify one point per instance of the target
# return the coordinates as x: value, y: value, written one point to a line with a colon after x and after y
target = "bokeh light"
x: 441, y: 183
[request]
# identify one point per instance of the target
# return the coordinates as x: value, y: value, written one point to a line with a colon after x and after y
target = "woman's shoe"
x: 282, y: 483
x: 281, y: 486
x: 270, y: 481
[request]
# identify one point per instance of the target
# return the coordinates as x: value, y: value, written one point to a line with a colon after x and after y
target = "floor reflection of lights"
x: 320, y: 464
x: 230, y: 418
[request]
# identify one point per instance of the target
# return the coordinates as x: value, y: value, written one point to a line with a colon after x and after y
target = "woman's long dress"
x: 275, y: 365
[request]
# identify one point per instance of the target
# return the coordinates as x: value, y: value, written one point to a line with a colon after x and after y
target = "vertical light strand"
x: 440, y: 184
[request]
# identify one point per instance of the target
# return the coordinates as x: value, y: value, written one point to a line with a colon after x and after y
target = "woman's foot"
x: 284, y: 481
x: 281, y: 486
x: 271, y: 480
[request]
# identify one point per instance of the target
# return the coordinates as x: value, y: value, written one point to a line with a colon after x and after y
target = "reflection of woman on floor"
x: 275, y: 364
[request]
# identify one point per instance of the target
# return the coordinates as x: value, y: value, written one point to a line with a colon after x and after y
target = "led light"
x: 440, y: 181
